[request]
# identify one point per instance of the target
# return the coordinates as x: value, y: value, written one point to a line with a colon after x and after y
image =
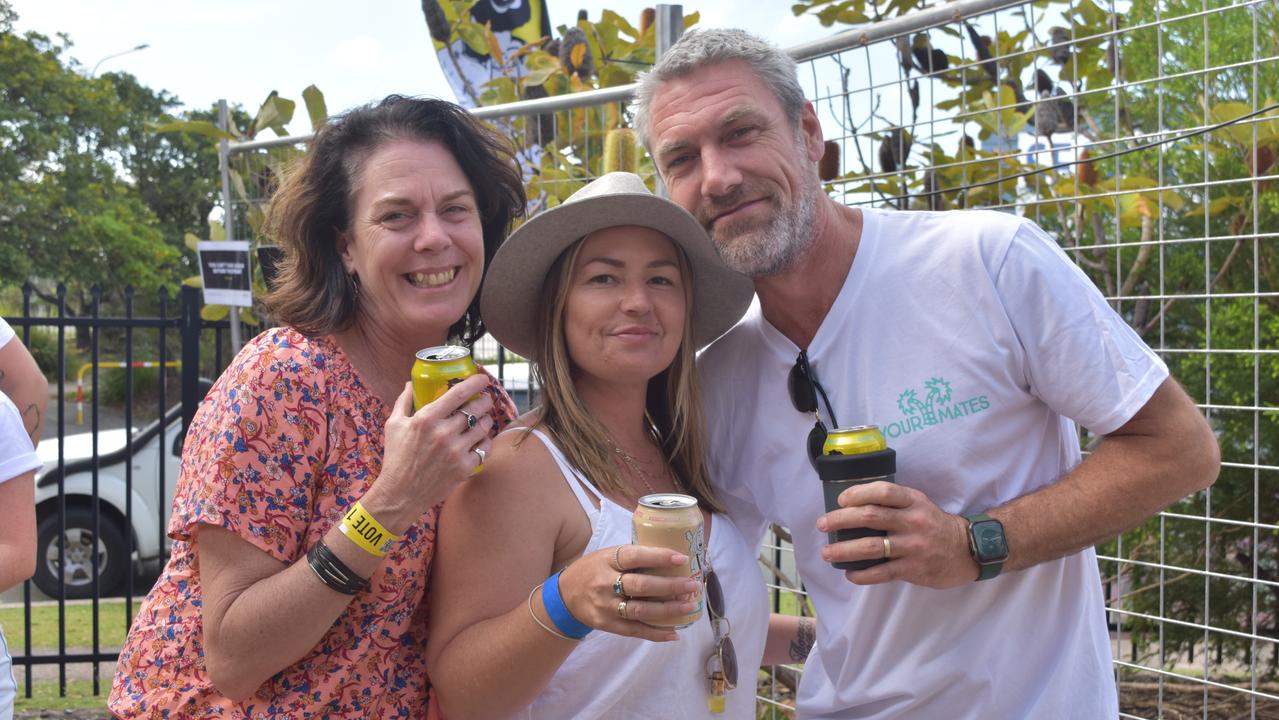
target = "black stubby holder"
x: 840, y: 472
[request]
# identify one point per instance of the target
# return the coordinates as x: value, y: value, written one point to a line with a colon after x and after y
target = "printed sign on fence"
x: 224, y: 266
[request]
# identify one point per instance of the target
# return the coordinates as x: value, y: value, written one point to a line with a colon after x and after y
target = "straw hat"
x: 513, y: 285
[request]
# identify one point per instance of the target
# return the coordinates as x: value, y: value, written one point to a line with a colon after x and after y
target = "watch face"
x: 989, y: 538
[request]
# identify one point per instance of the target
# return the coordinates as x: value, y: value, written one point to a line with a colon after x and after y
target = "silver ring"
x: 481, y: 453
x: 471, y: 420
x: 888, y: 548
x: 617, y: 586
x: 621, y: 610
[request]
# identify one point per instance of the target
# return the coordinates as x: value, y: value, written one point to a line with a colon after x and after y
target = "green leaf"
x: 473, y: 34
x: 1136, y: 183
x: 538, y: 77
x: 275, y: 113
x: 315, y: 107
x: 611, y: 18
x: 197, y: 127
x: 194, y: 281
x: 191, y: 241
x: 1218, y: 206
x: 214, y: 313
x: 614, y: 75
x: 237, y: 183
x: 248, y: 317
x: 499, y: 90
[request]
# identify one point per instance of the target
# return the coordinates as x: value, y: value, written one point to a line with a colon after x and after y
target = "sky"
x: 354, y: 52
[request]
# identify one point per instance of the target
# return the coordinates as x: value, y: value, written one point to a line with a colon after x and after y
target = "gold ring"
x: 621, y: 610
x: 617, y: 586
x: 617, y: 559
x: 888, y: 548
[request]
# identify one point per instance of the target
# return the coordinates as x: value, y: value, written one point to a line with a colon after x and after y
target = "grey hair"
x: 700, y: 48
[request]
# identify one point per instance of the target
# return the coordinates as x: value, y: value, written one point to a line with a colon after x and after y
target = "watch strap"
x: 985, y: 571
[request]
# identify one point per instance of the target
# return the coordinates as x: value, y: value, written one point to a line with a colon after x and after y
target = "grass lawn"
x: 79, y: 624
x: 44, y: 696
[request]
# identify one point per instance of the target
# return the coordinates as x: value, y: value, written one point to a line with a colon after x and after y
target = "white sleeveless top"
x: 621, y: 678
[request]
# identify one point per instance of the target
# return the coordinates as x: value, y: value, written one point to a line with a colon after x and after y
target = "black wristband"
x: 333, y: 572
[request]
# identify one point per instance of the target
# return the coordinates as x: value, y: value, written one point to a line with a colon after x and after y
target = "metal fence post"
x: 228, y: 213
x: 670, y: 26
x: 189, y: 308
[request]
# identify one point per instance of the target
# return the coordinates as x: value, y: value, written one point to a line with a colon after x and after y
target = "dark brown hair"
x: 312, y: 205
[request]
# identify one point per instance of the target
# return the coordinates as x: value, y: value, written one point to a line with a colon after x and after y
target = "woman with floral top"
x: 305, y: 514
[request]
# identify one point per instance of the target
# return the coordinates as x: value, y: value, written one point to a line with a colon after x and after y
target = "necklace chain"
x: 635, y: 467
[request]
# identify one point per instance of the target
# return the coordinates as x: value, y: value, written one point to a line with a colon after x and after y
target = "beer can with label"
x: 437, y: 369
x: 671, y: 520
x: 854, y: 456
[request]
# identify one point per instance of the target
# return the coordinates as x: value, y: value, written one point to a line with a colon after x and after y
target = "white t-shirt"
x: 6, y: 332
x: 969, y: 339
x: 17, y: 456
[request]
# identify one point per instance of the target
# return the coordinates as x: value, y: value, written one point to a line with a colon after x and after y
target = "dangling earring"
x: 354, y: 280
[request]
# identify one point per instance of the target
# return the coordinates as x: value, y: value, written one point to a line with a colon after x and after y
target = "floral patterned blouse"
x: 286, y: 440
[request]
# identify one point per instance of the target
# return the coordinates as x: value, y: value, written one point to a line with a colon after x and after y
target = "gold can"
x: 856, y: 440
x: 671, y: 520
x: 437, y: 369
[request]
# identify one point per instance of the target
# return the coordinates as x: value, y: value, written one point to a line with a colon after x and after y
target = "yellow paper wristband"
x: 366, y: 532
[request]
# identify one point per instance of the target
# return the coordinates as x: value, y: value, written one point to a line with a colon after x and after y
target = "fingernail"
x: 678, y: 558
x: 826, y: 553
x: 821, y: 524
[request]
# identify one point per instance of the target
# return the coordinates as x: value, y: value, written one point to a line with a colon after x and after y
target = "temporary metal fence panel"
x: 1143, y: 135
x: 110, y: 456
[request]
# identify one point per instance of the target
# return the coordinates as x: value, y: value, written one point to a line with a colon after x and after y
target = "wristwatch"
x: 987, y: 544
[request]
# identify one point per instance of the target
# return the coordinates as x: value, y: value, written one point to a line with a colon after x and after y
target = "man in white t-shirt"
x: 975, y: 345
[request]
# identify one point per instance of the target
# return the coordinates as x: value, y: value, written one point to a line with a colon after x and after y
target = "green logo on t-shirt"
x: 933, y: 408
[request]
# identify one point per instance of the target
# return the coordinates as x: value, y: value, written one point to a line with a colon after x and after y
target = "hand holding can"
x: 853, y: 456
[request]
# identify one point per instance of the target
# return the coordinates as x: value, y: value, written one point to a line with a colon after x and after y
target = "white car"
x: 131, y: 509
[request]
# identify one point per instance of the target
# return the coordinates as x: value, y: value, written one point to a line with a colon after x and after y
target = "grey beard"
x: 778, y: 244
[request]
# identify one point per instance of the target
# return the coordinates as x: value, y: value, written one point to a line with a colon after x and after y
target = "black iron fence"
x: 103, y: 496
x: 127, y: 373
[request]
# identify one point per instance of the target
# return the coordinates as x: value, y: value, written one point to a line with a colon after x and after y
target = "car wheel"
x: 78, y: 540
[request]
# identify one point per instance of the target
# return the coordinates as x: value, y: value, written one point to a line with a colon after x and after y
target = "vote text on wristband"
x: 366, y: 532
x: 558, y: 612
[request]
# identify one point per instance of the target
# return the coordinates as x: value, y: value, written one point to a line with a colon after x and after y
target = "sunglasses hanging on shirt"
x: 804, y: 391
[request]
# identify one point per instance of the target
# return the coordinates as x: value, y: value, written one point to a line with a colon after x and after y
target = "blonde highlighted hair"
x: 673, y: 404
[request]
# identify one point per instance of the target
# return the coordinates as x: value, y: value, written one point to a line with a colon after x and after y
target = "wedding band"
x: 888, y: 548
x: 617, y: 559
x: 470, y: 422
x: 617, y: 586
x: 481, y: 453
x: 621, y: 610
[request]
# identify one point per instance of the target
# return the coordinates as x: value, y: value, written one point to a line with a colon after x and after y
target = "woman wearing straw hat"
x: 610, y: 294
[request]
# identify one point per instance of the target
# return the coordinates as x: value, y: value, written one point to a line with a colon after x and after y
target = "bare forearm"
x: 22, y: 381
x: 277, y: 620
x: 790, y: 639
x: 497, y: 666
x: 1130, y: 477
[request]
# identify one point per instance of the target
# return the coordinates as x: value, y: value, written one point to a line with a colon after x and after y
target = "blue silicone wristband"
x: 558, y: 612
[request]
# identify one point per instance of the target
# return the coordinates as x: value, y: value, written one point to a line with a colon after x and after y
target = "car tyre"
x: 113, y: 561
